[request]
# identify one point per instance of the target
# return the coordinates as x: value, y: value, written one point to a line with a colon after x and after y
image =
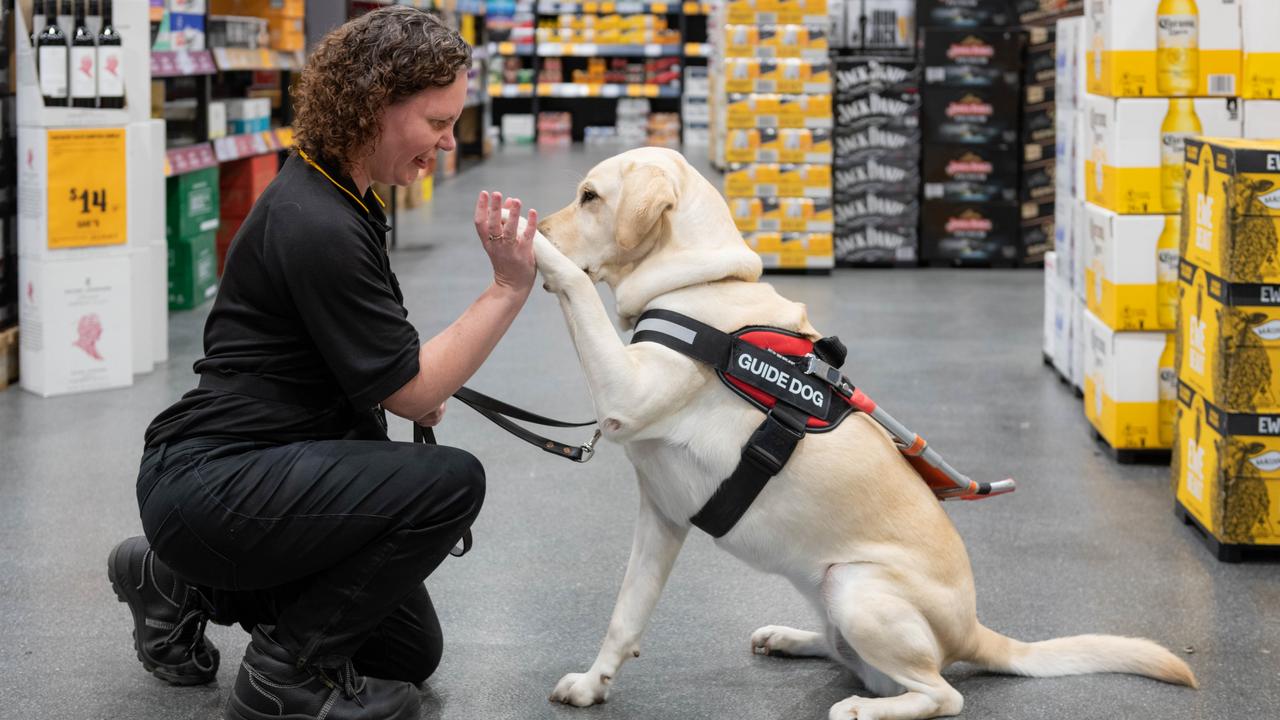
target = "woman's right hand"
x: 510, y: 251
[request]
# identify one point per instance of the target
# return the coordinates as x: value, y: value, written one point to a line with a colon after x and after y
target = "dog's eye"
x: 588, y: 196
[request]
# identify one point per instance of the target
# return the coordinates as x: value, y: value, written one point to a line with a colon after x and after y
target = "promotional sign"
x: 86, y: 188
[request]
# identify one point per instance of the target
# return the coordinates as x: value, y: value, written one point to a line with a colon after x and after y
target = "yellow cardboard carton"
x: 1231, y: 227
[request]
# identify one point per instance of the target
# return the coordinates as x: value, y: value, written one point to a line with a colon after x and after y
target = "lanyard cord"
x: 339, y: 185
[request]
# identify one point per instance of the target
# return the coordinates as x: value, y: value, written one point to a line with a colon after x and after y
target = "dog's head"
x: 646, y: 222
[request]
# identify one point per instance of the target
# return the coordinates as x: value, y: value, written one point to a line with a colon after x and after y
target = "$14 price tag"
x: 86, y: 188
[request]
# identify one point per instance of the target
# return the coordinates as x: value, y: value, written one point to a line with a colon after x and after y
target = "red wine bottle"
x: 110, y: 69
x: 51, y: 49
x: 84, y: 83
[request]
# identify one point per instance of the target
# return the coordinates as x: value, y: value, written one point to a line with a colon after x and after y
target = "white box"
x: 132, y: 19
x: 1065, y: 150
x: 1262, y: 117
x: 1077, y: 343
x: 1124, y: 397
x: 696, y: 82
x: 33, y: 199
x: 76, y: 324
x: 140, y: 298
x: 1050, y: 303
x: 189, y: 7
x: 1131, y: 281
x: 1068, y: 77
x: 1260, y: 77
x: 1136, y: 148
x: 1079, y: 245
x: 217, y: 119
x: 1064, y: 216
x: 1062, y: 332
x: 1080, y: 150
x: 1163, y: 48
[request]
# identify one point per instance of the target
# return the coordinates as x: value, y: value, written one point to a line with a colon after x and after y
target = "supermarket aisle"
x: 1085, y: 545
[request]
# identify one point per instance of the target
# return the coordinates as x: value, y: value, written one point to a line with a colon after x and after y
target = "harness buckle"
x: 820, y: 369
x: 588, y: 449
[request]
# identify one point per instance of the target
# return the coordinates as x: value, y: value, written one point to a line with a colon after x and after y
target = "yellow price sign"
x: 86, y: 187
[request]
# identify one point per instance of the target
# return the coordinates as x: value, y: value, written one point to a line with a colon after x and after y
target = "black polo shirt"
x: 307, y: 304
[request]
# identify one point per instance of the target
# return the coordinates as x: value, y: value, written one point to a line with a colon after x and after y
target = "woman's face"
x: 413, y: 129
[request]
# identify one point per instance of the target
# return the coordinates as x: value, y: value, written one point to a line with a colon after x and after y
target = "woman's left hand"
x: 510, y: 251
x: 432, y: 418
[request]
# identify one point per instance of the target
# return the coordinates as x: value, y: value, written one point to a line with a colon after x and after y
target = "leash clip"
x: 820, y: 369
x: 588, y: 449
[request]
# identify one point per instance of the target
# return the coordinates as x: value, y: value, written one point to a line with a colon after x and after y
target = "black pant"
x: 329, y: 541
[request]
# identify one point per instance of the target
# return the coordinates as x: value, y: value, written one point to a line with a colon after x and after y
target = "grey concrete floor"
x: 1084, y: 545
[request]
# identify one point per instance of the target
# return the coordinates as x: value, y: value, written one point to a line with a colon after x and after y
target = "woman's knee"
x: 453, y: 482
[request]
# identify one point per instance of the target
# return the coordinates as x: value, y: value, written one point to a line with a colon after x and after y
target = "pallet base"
x: 1224, y: 552
x: 1131, y: 456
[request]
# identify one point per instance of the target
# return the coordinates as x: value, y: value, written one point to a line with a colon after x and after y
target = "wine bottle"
x: 84, y: 83
x: 110, y: 70
x: 65, y: 22
x: 51, y: 47
x: 93, y: 17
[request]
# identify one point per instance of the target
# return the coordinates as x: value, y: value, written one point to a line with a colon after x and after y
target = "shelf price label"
x: 86, y: 188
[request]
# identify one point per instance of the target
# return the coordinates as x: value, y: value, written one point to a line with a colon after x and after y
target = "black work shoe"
x: 168, y: 615
x: 271, y: 686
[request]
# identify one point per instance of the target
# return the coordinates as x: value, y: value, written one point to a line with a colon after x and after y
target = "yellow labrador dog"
x: 847, y: 521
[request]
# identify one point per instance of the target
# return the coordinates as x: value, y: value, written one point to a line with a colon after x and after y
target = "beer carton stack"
x: 1064, y: 285
x: 1227, y: 457
x: 877, y: 161
x: 191, y: 228
x: 776, y: 78
x: 970, y: 94
x: 1158, y: 72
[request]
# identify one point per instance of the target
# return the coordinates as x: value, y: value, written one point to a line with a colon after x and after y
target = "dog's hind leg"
x: 788, y: 642
x: 891, y: 635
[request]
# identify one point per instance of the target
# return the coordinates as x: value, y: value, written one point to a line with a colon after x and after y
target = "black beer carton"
x: 881, y: 174
x: 1036, y: 184
x: 964, y: 14
x: 971, y: 116
x: 873, y: 208
x: 1035, y: 238
x: 880, y: 109
x: 969, y: 232
x: 1037, y: 151
x: 1046, y: 12
x: 1039, y: 62
x: 875, y: 141
x: 877, y: 246
x: 972, y: 58
x: 858, y: 76
x: 971, y: 173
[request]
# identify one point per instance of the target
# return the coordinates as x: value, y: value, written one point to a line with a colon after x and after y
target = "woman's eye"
x: 588, y: 196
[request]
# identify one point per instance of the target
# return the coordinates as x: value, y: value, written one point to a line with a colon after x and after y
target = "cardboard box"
x: 796, y: 145
x: 872, y: 246
x: 1035, y: 237
x: 1262, y: 119
x: 1129, y: 393
x: 240, y: 182
x: 778, y: 111
x: 1229, y: 338
x: 859, y: 211
x: 1069, y: 51
x: 1045, y: 12
x: 193, y: 270
x: 192, y: 204
x: 787, y: 75
x: 1192, y: 49
x: 964, y: 13
x: 1080, y: 244
x: 777, y: 12
x: 770, y: 180
x: 1131, y: 275
x: 76, y: 324
x: 859, y: 76
x: 1048, y: 333
x: 139, y: 303
x: 809, y: 42
x: 973, y: 58
x: 1260, y: 76
x: 969, y: 232
x: 8, y: 357
x: 1064, y: 237
x: 1226, y: 471
x: 885, y: 174
x: 972, y: 116
x: 788, y: 215
x: 1135, y: 148
x: 1068, y: 150
x: 1039, y: 126
x: 1036, y: 185
x: 1234, y: 228
x: 186, y: 31
x: 876, y: 142
x: 1040, y: 60
x: 888, y: 109
x: 793, y: 251
x: 970, y: 173
x: 1078, y: 343
x: 1063, y: 328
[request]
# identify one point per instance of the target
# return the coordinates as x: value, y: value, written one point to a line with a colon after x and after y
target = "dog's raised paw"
x: 581, y: 689
x: 787, y: 641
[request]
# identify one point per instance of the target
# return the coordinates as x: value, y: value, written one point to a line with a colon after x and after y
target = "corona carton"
x: 1163, y: 48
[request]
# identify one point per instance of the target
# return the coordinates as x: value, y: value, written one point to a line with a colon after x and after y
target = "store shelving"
x: 608, y: 50
x: 511, y: 90
x: 182, y: 63
x: 608, y: 90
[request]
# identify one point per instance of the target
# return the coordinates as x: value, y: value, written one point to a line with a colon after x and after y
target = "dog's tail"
x: 1079, y: 655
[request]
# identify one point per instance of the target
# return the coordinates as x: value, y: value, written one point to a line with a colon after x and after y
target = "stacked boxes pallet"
x: 1158, y: 72
x: 776, y: 79
x: 1227, y: 458
x: 971, y: 78
x: 1064, y: 282
x: 91, y: 253
x: 876, y: 171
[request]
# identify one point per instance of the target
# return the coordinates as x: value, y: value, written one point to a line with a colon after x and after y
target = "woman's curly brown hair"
x: 364, y: 66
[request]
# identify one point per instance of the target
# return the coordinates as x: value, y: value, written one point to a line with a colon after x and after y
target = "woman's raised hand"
x: 510, y: 251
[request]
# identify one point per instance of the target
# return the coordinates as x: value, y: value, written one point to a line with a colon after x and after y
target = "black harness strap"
x: 799, y: 397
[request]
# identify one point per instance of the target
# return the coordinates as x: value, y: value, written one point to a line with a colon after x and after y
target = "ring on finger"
x: 497, y: 238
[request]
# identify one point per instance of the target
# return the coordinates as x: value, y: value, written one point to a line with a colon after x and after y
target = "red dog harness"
x: 797, y: 383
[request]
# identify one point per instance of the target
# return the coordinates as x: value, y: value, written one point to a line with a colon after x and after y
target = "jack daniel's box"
x: 858, y: 76
x: 873, y: 141
x: 971, y: 115
x: 883, y: 174
x: 889, y: 108
x: 972, y: 58
x: 876, y: 246
x: 971, y: 173
x: 876, y: 228
x: 969, y: 233
x: 964, y: 13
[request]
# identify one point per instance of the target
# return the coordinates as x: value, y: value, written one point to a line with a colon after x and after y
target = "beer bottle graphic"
x: 1167, y: 273
x: 1166, y: 409
x: 1179, y: 124
x: 1177, y: 47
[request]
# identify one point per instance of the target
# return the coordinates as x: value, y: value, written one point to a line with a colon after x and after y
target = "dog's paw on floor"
x: 787, y: 642
x: 581, y: 689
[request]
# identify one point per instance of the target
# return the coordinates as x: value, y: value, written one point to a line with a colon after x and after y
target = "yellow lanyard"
x: 339, y: 185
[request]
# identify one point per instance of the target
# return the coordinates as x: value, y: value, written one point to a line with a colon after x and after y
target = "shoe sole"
x: 235, y: 710
x: 114, y: 573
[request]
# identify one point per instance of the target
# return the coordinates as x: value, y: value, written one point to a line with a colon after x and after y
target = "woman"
x: 269, y: 495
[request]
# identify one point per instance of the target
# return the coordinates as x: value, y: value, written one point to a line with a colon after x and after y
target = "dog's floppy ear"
x: 647, y: 194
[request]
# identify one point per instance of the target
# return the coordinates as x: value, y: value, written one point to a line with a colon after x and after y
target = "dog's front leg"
x: 653, y: 552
